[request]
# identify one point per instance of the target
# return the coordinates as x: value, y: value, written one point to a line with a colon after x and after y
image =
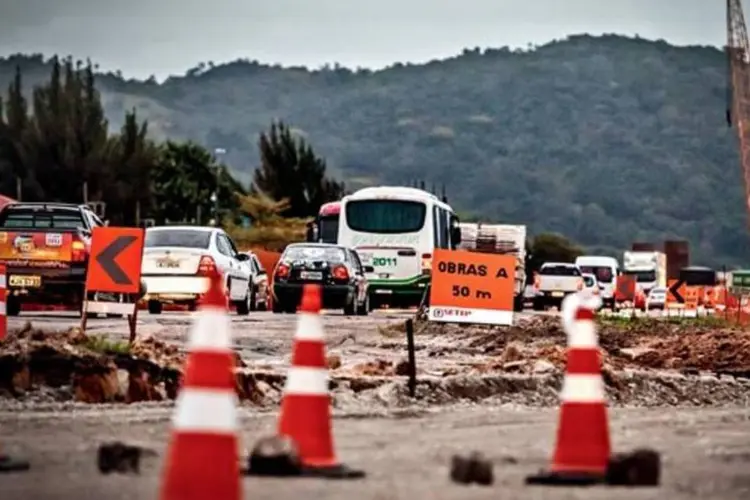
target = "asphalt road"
x: 705, y: 454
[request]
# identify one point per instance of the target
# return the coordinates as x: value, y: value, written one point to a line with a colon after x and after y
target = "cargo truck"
x: 648, y: 268
x: 499, y: 239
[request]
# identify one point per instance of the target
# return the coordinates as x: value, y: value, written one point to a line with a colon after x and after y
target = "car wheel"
x: 364, y: 308
x: 243, y: 306
x: 154, y: 307
x: 350, y: 308
x: 277, y: 307
x: 253, y: 300
x: 13, y: 306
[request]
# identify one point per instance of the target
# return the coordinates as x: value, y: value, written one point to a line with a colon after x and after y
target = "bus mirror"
x: 456, y: 235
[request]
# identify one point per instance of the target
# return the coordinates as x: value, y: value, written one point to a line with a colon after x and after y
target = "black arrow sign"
x: 675, y: 291
x: 106, y: 259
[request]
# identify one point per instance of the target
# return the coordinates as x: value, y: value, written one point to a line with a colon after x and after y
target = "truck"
x: 503, y: 239
x: 45, y: 248
x: 648, y: 268
x: 554, y: 282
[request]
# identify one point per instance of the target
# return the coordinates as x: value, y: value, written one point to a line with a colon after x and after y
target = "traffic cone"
x: 582, y: 450
x: 203, y: 457
x: 306, y: 405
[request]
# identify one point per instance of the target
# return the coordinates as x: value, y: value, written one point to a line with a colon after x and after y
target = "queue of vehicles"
x: 372, y: 248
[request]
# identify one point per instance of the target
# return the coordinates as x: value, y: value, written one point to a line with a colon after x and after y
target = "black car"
x: 336, y: 269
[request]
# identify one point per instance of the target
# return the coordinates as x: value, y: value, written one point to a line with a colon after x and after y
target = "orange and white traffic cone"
x: 203, y: 456
x: 582, y: 451
x: 306, y: 405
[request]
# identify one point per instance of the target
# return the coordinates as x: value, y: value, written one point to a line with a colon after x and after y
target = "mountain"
x: 607, y: 140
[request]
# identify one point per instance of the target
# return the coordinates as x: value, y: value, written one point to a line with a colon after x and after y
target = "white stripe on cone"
x: 2, y: 309
x: 210, y: 331
x: 580, y: 388
x: 309, y: 327
x: 308, y: 381
x: 3, y: 282
x: 583, y: 335
x: 203, y: 410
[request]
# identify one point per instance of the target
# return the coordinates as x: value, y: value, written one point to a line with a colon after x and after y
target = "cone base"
x: 8, y: 464
x: 550, y: 478
x: 340, y: 471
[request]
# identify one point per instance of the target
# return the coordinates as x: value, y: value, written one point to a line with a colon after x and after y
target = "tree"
x: 184, y: 178
x: 291, y: 170
x: 551, y: 247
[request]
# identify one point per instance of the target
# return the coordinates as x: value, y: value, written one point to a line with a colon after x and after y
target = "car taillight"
x: 282, y: 271
x: 207, y: 266
x: 340, y: 273
x: 537, y: 281
x: 78, y: 252
x: 426, y: 263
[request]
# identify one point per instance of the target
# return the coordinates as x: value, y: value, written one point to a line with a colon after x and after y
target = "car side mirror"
x: 369, y: 269
x: 243, y: 257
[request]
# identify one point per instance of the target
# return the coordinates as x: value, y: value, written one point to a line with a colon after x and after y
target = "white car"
x: 590, y: 284
x: 259, y: 299
x: 657, y: 297
x: 177, y: 261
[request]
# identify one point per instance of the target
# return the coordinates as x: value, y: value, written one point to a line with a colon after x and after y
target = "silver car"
x: 657, y: 297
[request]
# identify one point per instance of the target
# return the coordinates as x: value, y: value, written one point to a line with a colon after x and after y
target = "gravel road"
x: 705, y: 454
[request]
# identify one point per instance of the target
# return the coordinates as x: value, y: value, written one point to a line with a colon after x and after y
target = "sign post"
x: 471, y: 287
x: 114, y: 267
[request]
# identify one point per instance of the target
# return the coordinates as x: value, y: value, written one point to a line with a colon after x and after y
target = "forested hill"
x: 604, y: 139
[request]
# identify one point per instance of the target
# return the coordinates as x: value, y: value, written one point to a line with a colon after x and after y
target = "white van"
x: 606, y: 270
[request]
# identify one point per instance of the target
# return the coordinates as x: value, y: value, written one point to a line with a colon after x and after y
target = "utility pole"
x: 219, y: 152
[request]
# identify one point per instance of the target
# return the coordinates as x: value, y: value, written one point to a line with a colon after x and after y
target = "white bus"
x: 395, y: 230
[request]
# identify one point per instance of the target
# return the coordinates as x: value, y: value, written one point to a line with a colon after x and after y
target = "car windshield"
x: 327, y: 254
x: 186, y: 238
x: 51, y: 218
x: 385, y: 216
x: 559, y: 271
x: 658, y: 291
x: 603, y: 274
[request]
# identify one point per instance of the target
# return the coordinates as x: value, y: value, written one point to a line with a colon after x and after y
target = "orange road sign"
x: 625, y: 290
x: 676, y: 290
x: 115, y: 260
x: 471, y: 287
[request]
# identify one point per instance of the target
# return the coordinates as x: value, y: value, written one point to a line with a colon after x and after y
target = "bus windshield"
x: 385, y: 216
x: 328, y: 228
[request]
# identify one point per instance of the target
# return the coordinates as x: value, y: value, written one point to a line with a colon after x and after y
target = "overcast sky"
x: 163, y: 37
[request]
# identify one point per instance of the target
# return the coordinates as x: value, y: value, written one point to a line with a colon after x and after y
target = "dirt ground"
x: 679, y: 387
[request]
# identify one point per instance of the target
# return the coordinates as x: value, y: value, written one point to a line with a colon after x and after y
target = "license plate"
x: 557, y: 294
x: 25, y: 281
x: 311, y: 275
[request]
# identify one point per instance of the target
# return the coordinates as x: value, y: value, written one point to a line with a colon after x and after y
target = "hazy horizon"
x: 141, y: 39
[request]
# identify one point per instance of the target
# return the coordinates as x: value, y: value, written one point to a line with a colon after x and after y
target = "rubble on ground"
x: 645, y: 363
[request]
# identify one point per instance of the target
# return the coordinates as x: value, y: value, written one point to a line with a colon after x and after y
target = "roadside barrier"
x: 203, y: 456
